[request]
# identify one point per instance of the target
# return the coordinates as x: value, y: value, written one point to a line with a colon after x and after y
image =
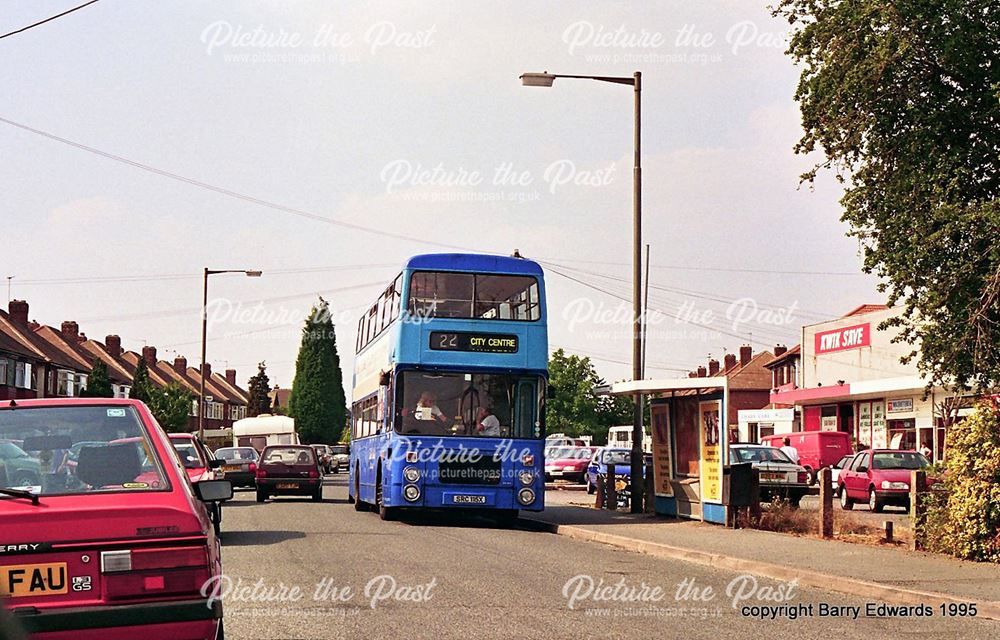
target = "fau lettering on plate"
x: 853, y: 337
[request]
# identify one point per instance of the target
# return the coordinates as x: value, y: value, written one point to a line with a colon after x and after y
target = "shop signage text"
x: 853, y: 337
x: 899, y: 405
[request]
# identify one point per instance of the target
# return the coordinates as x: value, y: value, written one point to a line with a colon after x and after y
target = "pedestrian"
x: 925, y: 451
x: 789, y: 450
x: 489, y: 424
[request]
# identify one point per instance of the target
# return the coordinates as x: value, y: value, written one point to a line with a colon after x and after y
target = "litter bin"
x: 736, y: 480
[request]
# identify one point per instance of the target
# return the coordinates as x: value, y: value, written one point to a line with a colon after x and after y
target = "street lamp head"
x: 253, y: 273
x: 537, y: 79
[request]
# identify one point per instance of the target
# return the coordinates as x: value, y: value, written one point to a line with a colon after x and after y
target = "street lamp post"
x: 250, y: 273
x: 546, y: 80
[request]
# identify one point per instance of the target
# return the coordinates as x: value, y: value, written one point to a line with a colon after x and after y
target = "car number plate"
x: 288, y: 485
x: 468, y: 499
x: 33, y: 580
x: 231, y: 467
x: 772, y: 477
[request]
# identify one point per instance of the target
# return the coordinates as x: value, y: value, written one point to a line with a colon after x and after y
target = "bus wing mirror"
x: 383, y: 379
x: 551, y: 392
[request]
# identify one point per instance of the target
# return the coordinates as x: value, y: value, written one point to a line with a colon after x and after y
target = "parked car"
x: 239, y: 465
x: 341, y: 455
x: 116, y: 547
x: 289, y: 470
x: 779, y: 476
x: 816, y: 449
x: 835, y: 472
x: 324, y: 456
x: 597, y: 468
x: 568, y: 462
x: 880, y: 477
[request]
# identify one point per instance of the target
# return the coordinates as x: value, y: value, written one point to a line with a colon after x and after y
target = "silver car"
x: 779, y: 476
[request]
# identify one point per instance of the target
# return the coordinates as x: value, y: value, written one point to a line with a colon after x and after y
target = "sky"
x: 324, y: 143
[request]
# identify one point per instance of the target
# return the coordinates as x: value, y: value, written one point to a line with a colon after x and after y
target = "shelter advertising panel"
x: 711, y: 451
x: 662, y: 463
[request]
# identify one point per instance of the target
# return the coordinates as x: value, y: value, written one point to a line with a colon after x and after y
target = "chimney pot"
x: 113, y: 344
x: 70, y: 330
x: 746, y: 354
x: 713, y: 367
x: 18, y: 310
x: 730, y: 360
x: 180, y: 365
x: 149, y: 355
x: 779, y: 349
x: 207, y: 370
x: 231, y: 376
x: 702, y: 372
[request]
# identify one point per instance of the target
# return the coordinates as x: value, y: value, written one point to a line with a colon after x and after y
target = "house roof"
x: 788, y: 355
x: 34, y: 344
x: 71, y: 353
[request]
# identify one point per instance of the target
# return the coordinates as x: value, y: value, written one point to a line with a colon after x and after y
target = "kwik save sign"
x: 853, y: 337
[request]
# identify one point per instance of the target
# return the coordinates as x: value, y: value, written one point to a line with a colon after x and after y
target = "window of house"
x: 65, y: 383
x: 5, y: 367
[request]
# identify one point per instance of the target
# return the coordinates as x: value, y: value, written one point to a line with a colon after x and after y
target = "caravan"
x: 264, y: 430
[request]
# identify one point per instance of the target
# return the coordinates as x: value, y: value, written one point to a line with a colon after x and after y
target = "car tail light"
x: 313, y: 473
x: 253, y: 467
x: 261, y: 473
x: 803, y: 477
x: 143, y: 573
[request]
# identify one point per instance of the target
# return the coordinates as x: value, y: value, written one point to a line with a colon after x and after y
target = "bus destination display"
x: 466, y: 341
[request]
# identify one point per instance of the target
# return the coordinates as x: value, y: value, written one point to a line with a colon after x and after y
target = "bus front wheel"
x: 358, y: 504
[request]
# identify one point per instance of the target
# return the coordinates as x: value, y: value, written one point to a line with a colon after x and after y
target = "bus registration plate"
x: 468, y: 499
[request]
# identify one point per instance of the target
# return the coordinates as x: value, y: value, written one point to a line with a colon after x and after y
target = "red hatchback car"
x: 879, y: 477
x: 118, y: 545
x: 289, y: 469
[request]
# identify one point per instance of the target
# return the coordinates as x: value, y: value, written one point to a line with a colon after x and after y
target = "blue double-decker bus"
x: 450, y: 382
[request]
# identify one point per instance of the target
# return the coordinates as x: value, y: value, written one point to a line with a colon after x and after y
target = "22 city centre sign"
x: 468, y: 341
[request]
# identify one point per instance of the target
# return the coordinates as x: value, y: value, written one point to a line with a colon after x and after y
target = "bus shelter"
x: 688, y: 418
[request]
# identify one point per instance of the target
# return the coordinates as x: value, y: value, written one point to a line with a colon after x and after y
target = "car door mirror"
x: 215, y: 463
x: 862, y: 469
x: 551, y: 392
x: 214, y: 490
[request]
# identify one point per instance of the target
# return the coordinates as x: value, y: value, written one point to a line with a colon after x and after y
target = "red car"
x: 879, y: 477
x: 567, y: 462
x: 198, y: 462
x: 118, y: 546
x: 289, y: 469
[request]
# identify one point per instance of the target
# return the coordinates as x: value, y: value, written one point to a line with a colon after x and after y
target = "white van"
x: 621, y: 436
x: 263, y: 430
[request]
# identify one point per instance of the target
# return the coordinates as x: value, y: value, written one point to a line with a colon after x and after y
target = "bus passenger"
x: 427, y: 405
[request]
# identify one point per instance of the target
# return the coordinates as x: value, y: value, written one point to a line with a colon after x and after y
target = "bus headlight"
x: 411, y: 492
x: 525, y: 477
x: 412, y: 474
x: 525, y: 496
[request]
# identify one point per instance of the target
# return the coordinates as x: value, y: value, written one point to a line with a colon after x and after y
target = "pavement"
x: 892, y: 574
x: 446, y: 576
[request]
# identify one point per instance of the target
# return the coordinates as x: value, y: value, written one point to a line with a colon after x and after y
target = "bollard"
x: 888, y: 530
x: 610, y: 492
x: 754, y: 497
x: 649, y: 503
x: 918, y: 485
x: 825, y: 502
x: 599, y: 499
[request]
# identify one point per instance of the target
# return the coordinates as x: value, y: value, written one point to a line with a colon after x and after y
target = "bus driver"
x: 427, y: 408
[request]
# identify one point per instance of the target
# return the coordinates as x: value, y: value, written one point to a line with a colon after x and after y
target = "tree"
x: 142, y: 387
x: 964, y: 520
x: 317, y: 400
x: 171, y: 406
x: 577, y: 410
x: 903, y: 98
x: 259, y: 388
x: 98, y: 383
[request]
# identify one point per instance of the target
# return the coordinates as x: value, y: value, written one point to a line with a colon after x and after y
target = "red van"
x: 119, y: 544
x: 817, y: 449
